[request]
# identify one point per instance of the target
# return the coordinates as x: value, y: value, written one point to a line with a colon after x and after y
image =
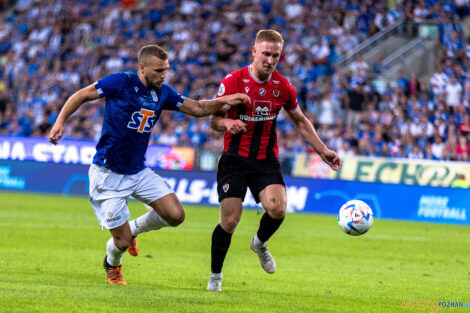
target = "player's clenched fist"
x: 56, y: 133
x: 234, y: 126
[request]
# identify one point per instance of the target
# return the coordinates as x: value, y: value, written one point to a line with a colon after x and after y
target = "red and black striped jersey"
x: 267, y: 99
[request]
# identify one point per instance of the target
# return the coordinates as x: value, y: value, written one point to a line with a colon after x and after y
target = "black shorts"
x: 235, y: 174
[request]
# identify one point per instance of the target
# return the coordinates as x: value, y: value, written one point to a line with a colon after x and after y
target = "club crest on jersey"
x: 221, y: 90
x: 225, y: 187
x: 262, y: 91
x: 154, y: 95
x: 142, y: 120
x: 276, y: 92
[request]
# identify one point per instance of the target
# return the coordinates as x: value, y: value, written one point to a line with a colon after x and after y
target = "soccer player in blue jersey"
x: 134, y: 102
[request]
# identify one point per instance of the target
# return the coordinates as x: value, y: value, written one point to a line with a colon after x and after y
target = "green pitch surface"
x: 52, y: 249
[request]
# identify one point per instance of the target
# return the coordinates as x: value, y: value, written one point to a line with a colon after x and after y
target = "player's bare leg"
x: 230, y: 214
x: 163, y: 212
x: 274, y: 201
x: 115, y: 248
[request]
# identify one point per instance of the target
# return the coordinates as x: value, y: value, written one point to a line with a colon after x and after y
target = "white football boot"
x: 215, y: 282
x: 265, y: 258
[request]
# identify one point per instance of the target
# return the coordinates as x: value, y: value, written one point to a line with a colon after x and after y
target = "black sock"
x: 220, y: 244
x: 267, y: 227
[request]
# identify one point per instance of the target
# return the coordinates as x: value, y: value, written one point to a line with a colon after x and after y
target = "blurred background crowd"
x: 50, y: 49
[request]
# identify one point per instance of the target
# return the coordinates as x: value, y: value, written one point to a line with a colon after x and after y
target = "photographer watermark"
x: 434, y: 306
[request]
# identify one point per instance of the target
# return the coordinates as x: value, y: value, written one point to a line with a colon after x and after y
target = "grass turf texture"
x: 52, y: 251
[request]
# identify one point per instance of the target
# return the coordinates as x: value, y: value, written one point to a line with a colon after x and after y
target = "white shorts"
x: 109, y: 192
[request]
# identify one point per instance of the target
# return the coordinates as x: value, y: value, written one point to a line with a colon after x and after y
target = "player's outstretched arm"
x: 200, y: 108
x: 306, y: 129
x: 72, y: 104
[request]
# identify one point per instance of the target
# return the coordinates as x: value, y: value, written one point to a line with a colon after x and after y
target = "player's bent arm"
x: 72, y: 104
x: 200, y: 108
x: 306, y: 129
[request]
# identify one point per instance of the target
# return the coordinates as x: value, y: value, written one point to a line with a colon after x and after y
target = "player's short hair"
x: 269, y: 35
x: 152, y: 50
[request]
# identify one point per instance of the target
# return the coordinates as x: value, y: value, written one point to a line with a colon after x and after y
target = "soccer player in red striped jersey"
x: 250, y: 155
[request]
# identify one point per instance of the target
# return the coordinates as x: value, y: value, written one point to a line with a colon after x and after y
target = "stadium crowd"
x: 49, y: 49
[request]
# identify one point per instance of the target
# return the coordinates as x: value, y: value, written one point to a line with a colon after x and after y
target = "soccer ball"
x: 355, y: 217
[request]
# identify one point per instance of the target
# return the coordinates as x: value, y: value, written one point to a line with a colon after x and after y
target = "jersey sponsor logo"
x: 109, y: 220
x: 262, y: 91
x: 221, y: 90
x: 261, y: 112
x: 248, y: 118
x: 142, y: 120
x: 261, y: 107
x: 247, y: 89
x: 276, y: 92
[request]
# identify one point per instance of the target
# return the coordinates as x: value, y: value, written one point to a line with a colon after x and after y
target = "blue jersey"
x: 130, y: 113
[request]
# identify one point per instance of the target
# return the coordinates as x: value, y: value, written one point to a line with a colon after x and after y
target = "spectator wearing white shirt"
x: 438, y: 81
x: 453, y: 92
x: 345, y: 150
x: 416, y: 153
x: 437, y: 147
x: 359, y: 66
x: 293, y: 10
x: 329, y: 109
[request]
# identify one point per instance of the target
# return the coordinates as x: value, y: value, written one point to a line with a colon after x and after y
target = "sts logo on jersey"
x: 142, y: 120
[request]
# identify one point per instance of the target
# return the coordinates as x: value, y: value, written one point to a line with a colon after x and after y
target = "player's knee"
x: 229, y: 224
x: 276, y: 210
x: 176, y: 218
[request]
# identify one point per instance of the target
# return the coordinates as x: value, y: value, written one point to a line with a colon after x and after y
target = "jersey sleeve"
x: 291, y: 104
x: 110, y: 85
x: 228, y: 86
x: 173, y: 101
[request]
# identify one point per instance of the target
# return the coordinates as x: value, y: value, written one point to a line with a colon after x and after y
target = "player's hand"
x: 234, y: 126
x: 331, y: 158
x: 56, y: 133
x: 236, y: 99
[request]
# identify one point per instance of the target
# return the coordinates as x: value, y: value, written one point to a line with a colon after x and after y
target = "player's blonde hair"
x: 152, y: 50
x: 269, y: 35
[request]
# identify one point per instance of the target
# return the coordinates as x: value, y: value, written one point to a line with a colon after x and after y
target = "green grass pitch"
x: 52, y: 249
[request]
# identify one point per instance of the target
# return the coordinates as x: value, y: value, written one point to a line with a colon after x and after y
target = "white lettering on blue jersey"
x: 142, y: 121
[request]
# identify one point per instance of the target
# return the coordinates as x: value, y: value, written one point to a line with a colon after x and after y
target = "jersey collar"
x: 257, y: 79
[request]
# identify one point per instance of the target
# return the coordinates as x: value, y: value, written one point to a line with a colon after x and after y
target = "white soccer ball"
x: 355, y: 217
